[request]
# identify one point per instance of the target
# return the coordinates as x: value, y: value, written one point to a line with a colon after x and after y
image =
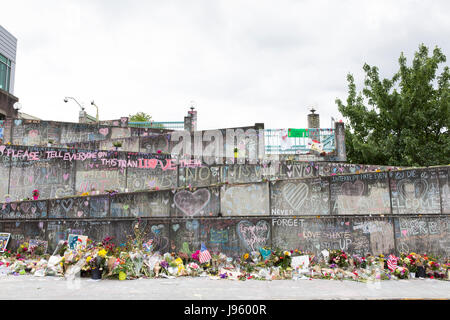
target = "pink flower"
x: 159, y: 151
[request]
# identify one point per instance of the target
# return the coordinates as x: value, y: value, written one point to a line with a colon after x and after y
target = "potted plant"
x: 35, y: 194
x: 97, y: 264
x: 117, y: 144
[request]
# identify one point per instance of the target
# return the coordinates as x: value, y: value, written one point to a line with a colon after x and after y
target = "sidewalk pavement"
x: 55, y: 288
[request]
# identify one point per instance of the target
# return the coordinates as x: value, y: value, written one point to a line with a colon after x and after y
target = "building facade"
x: 8, y: 48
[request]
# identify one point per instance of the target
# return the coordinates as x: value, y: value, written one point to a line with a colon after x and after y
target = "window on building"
x: 5, y: 72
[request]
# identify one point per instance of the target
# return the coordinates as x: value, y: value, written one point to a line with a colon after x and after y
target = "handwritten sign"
x: 75, y: 241
x: 300, y: 262
x: 4, y: 238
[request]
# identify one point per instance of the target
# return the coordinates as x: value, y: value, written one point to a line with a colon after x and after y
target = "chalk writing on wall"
x: 415, y: 191
x: 300, y: 197
x: 366, y: 193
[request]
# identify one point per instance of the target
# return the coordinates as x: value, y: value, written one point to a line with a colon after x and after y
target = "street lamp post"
x: 66, y: 99
x: 92, y: 103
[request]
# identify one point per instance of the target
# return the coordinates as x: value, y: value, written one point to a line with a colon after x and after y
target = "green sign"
x: 298, y: 133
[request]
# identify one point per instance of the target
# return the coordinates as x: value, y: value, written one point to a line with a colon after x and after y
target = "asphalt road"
x: 55, y: 288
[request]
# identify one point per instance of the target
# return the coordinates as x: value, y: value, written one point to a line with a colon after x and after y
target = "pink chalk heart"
x: 46, y: 176
x: 65, y: 176
x: 33, y: 133
x: 2, y: 148
x: 347, y: 223
x: 103, y: 131
x: 33, y: 210
x: 14, y: 206
x: 404, y: 232
x: 86, y: 203
x: 80, y: 213
x: 96, y: 165
x: 30, y: 178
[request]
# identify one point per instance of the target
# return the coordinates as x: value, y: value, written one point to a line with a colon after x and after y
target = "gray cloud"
x: 241, y: 61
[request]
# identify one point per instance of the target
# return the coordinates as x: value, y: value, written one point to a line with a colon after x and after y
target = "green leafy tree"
x: 144, y: 117
x: 140, y: 117
x: 401, y: 121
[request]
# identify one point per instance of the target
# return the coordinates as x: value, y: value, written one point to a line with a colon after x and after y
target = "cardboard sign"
x: 75, y: 241
x: 4, y: 239
x: 301, y: 262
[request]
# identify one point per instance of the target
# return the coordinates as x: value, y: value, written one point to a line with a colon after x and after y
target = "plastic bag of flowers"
x: 150, y: 261
x: 193, y: 269
x: 137, y: 260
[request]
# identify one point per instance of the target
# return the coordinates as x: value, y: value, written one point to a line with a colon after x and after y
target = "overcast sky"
x: 240, y: 61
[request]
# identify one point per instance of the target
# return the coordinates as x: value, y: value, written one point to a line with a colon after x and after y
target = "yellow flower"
x: 88, y: 259
x: 246, y: 256
x: 381, y: 256
x: 102, y: 253
x: 122, y: 275
x: 178, y: 261
x: 287, y: 253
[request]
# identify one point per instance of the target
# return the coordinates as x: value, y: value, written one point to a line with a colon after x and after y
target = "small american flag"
x: 204, y: 255
x: 392, y: 262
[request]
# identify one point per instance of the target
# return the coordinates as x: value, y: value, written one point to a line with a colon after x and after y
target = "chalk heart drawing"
x: 33, y: 210
x: 410, y: 190
x: 14, y: 206
x: 175, y: 227
x: 25, y: 206
x: 66, y: 204
x: 41, y: 205
x: 295, y: 194
x: 192, y: 225
x: 253, y: 236
x: 353, y: 189
x: 103, y: 131
x: 33, y: 133
x: 157, y: 229
x: 65, y: 176
x: 80, y: 213
x: 190, y: 203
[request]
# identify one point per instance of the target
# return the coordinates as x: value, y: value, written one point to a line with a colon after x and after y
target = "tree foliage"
x: 400, y: 121
x: 140, y: 117
x: 144, y: 117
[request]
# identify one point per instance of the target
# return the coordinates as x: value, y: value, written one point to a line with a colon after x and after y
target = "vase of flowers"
x: 97, y: 264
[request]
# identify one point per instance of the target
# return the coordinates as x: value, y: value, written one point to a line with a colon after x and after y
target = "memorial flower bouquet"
x: 401, y: 273
x: 339, y: 258
x: 193, y: 269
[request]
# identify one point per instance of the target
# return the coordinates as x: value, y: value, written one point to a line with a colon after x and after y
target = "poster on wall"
x: 75, y: 241
x: 4, y: 238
